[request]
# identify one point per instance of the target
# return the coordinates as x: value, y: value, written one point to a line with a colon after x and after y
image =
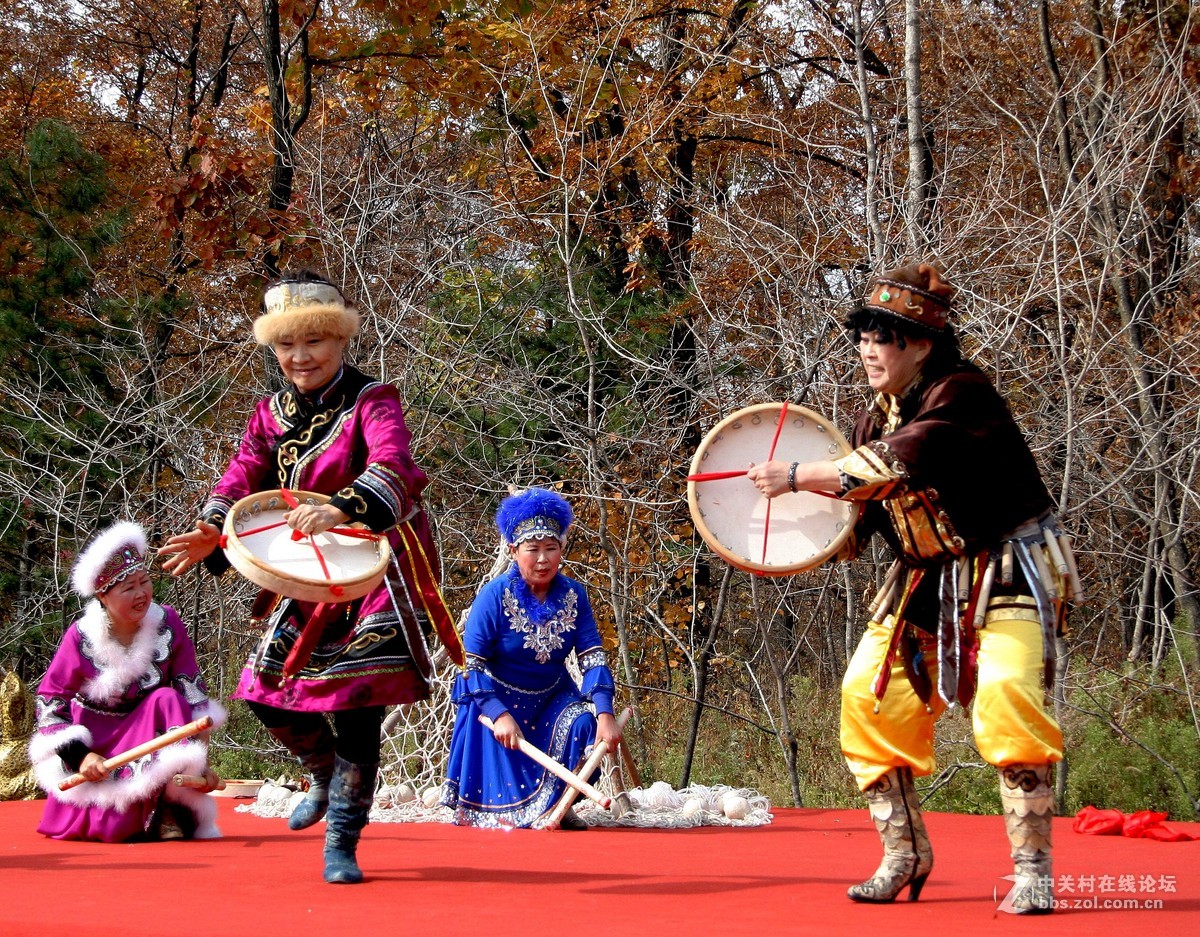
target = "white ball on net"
x: 735, y: 807
x: 693, y: 806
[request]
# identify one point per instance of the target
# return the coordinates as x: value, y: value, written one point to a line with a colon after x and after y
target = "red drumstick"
x: 774, y: 442
x: 716, y: 476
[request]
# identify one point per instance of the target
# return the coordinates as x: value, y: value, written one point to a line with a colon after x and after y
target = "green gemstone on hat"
x: 885, y: 296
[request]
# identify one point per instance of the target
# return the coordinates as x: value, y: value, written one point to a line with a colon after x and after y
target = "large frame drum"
x: 791, y: 533
x: 326, y: 567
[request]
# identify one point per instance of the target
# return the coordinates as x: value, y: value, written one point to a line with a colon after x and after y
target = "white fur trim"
x: 119, y: 666
x: 203, y: 808
x: 157, y: 770
x: 47, y: 745
x: 219, y: 714
x: 93, y: 557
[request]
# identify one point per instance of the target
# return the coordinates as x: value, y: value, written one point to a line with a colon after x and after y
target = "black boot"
x: 313, y: 748
x: 350, y: 795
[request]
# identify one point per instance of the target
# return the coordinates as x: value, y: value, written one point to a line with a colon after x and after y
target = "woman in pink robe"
x: 336, y: 431
x: 124, y: 674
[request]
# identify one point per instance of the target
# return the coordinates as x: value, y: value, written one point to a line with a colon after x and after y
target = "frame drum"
x: 788, y: 534
x: 328, y: 567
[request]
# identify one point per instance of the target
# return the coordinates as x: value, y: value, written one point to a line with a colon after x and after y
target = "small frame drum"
x: 339, y: 565
x: 788, y: 534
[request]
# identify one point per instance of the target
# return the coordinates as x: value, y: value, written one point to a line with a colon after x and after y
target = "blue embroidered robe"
x: 516, y: 649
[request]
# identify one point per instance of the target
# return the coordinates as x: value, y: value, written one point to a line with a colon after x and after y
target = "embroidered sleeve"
x: 871, y: 473
x: 377, y: 498
x: 386, y: 491
x: 479, y: 645
x: 56, y: 731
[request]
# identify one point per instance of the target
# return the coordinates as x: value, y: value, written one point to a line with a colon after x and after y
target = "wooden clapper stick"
x: 562, y: 773
x: 599, y: 750
x: 161, y: 741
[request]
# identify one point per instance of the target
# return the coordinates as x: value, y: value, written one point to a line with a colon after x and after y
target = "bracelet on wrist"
x: 792, y: 476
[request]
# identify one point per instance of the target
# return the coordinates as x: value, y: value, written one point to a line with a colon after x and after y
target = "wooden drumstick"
x: 1006, y: 563
x: 562, y: 773
x: 599, y: 750
x: 1043, y: 569
x: 962, y: 566
x: 197, y: 781
x: 1056, y: 554
x: 162, y: 741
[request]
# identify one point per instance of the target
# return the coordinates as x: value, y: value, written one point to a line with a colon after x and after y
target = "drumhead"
x: 806, y: 528
x: 259, y: 544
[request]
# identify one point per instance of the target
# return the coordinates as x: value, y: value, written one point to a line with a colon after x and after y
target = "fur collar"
x: 118, y: 666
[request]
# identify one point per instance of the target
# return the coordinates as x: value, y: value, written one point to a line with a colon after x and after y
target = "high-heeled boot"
x: 907, y: 853
x: 313, y: 748
x: 1028, y: 801
x: 350, y: 794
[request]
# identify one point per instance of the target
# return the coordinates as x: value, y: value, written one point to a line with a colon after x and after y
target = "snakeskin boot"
x: 351, y: 792
x: 314, y: 750
x: 907, y: 853
x: 1028, y: 801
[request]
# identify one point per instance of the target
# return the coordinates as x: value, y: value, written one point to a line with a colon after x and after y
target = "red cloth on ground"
x: 1145, y: 824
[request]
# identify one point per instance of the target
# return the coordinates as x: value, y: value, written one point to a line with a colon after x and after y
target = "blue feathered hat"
x: 534, y: 514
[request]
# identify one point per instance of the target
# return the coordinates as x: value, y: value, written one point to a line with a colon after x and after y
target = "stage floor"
x: 788, y: 877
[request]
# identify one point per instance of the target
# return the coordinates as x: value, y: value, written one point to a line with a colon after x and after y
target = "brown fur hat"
x: 916, y: 293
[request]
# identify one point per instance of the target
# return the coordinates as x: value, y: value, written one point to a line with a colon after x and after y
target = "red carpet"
x: 424, y: 879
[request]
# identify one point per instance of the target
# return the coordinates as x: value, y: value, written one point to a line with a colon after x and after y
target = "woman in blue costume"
x: 522, y: 627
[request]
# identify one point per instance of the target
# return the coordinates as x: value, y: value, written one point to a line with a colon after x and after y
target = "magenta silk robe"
x: 111, y: 698
x: 350, y: 441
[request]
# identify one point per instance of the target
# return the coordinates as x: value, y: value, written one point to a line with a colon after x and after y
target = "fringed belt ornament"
x: 1042, y: 551
x: 904, y: 593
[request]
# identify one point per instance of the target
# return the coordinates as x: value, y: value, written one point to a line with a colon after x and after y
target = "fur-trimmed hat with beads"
x: 115, y: 553
x: 304, y: 303
x: 916, y: 294
x: 534, y: 514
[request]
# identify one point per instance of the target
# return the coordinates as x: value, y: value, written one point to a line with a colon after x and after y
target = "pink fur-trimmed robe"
x: 112, y: 698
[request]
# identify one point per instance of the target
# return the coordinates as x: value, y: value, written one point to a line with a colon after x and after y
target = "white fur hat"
x: 113, y: 555
x: 294, y: 308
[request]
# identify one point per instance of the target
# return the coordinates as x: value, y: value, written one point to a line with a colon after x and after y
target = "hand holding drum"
x: 281, y: 540
x: 778, y: 536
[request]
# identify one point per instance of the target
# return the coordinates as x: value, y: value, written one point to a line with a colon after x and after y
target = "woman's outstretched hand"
x: 183, y: 551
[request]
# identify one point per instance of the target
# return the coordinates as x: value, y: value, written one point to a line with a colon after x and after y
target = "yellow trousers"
x: 1009, y: 715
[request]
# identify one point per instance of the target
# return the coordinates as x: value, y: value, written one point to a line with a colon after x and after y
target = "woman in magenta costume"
x: 124, y: 674
x: 521, y: 629
x: 336, y: 431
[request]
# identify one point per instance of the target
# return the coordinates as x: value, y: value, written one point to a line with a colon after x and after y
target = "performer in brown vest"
x: 971, y: 607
